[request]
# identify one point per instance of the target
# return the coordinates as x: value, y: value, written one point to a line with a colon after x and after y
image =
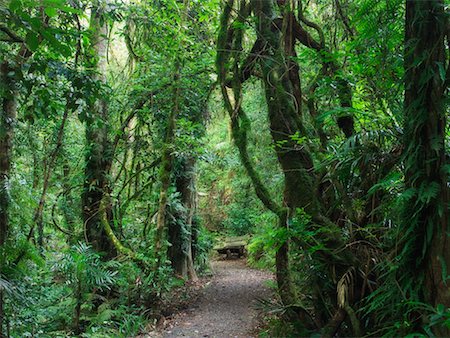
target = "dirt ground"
x: 226, y: 306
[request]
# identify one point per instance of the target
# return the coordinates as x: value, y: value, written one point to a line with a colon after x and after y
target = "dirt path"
x: 226, y: 306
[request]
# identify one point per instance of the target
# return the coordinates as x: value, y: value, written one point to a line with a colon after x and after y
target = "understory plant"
x: 88, y: 278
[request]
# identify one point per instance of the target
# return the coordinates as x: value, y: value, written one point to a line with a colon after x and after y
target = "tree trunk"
x: 49, y: 165
x: 7, y: 121
x: 180, y: 228
x: 68, y: 202
x: 425, y: 129
x: 99, y: 148
x: 294, y: 159
x: 291, y: 56
x: 300, y: 186
x: 166, y: 167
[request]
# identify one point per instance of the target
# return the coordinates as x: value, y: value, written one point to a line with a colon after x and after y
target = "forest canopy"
x: 135, y: 135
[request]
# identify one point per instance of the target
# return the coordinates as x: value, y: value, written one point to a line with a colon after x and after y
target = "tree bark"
x: 294, y: 159
x: 180, y: 228
x: 291, y: 55
x: 68, y: 201
x: 7, y: 121
x: 166, y: 168
x: 99, y: 147
x: 425, y: 129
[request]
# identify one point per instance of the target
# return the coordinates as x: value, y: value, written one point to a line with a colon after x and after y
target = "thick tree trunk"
x: 294, y: 159
x: 425, y: 129
x: 7, y: 121
x: 180, y: 228
x: 291, y: 56
x: 99, y: 148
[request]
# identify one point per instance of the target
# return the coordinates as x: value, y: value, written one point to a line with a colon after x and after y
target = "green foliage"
x: 238, y: 222
x: 261, y: 254
x: 47, y: 296
x: 202, y: 248
x: 361, y: 179
x: 81, y: 266
x: 277, y: 327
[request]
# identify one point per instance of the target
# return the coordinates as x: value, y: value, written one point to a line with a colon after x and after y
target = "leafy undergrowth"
x: 76, y: 293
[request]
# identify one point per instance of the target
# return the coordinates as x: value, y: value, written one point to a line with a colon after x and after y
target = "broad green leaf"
x: 51, y: 11
x: 14, y: 5
x: 32, y: 40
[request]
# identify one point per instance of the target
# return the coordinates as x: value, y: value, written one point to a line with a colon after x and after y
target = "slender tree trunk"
x: 344, y: 90
x: 7, y: 121
x: 48, y: 170
x: 1, y: 313
x: 291, y: 55
x: 68, y: 202
x: 37, y: 163
x: 425, y: 127
x: 99, y: 148
x: 166, y: 167
x: 77, y: 310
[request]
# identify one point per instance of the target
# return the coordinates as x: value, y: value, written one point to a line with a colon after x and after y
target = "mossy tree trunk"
x: 425, y: 128
x: 7, y: 121
x: 180, y: 227
x: 272, y: 51
x: 295, y: 160
x: 167, y: 168
x: 99, y: 148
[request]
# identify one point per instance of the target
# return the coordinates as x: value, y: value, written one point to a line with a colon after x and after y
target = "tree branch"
x: 239, y: 121
x: 311, y: 24
x: 13, y: 37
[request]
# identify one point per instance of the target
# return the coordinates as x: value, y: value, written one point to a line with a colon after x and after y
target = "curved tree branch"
x: 239, y: 121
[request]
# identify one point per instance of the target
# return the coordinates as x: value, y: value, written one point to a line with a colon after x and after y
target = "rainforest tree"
x: 426, y: 159
x: 98, y: 156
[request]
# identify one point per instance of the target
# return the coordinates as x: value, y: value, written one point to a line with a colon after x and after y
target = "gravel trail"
x: 226, y: 306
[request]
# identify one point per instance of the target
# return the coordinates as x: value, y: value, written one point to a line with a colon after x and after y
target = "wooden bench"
x: 232, y: 246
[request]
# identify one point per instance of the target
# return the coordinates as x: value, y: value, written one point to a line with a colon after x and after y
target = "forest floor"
x: 226, y: 306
